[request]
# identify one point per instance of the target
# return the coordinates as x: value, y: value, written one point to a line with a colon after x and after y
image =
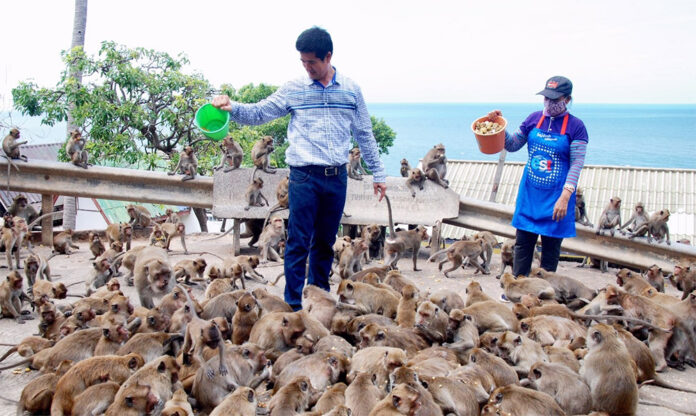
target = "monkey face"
x: 60, y: 291
x: 15, y: 281
x: 48, y: 314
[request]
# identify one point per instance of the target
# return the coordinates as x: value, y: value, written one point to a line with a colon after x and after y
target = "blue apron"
x: 542, y: 184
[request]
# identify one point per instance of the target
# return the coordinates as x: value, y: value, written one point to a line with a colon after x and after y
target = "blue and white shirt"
x: 322, y: 121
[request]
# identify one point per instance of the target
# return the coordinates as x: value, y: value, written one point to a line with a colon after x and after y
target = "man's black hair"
x: 315, y: 40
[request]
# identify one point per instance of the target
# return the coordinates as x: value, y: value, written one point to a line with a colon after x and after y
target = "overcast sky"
x: 627, y: 51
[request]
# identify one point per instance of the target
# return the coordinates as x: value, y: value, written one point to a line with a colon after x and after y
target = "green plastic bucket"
x: 213, y: 122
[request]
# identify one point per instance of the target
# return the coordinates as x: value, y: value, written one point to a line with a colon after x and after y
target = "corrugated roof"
x: 116, y: 211
x: 33, y: 152
x: 657, y: 188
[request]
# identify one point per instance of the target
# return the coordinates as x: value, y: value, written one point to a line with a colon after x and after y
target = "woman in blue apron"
x: 556, y: 143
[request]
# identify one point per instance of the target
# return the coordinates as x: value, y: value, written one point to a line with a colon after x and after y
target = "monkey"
x: 581, y: 209
x: 44, y: 290
x: 178, y: 405
x: 112, y: 255
x: 376, y: 360
x: 392, y: 336
x: 96, y: 399
x: 405, y: 376
x: 232, y: 154
x: 277, y: 332
x: 102, y: 271
x: 139, y: 216
x: 318, y: 303
x: 656, y: 227
x: 453, y: 396
x: 567, y: 290
x: 632, y: 282
x: 608, y: 366
x: 10, y: 145
x: 28, y: 346
x: 415, y: 179
x: 406, y: 309
x: 322, y: 368
x: 188, y: 164
x: 244, y: 319
x: 656, y: 278
x: 172, y: 230
x: 363, y: 394
x: 374, y: 237
x: 88, y: 372
x: 435, y: 165
x: 331, y: 401
x: 21, y: 208
x: 199, y: 333
x: 402, y: 400
x: 282, y: 194
x: 36, y: 266
x: 13, y: 233
x: 260, y: 155
x: 249, y: 265
x: 489, y: 243
x: 514, y: 289
x: 271, y: 235
x: 462, y: 330
x: 517, y: 400
x: 436, y: 242
x: 171, y: 216
x: 233, y: 271
x: 157, y: 237
x: 349, y: 261
x: 474, y: 294
x: 398, y: 242
x: 151, y: 345
x: 405, y: 168
x: 354, y: 165
x: 37, y: 395
x: 271, y: 303
x: 50, y: 321
x: 75, y: 149
x: 611, y: 216
x: 95, y: 245
x: 190, y: 269
x: 506, y: 255
x: 253, y: 195
x: 135, y: 399
x: 152, y: 275
x: 293, y: 398
x: 638, y: 219
x: 431, y: 321
x: 62, y: 243
x: 684, y: 278
x: 551, y: 330
x: 519, y: 351
x: 158, y: 376
x: 447, y: 300
x: 11, y: 297
x: 461, y: 253
x: 241, y: 402
x: 367, y: 298
x: 122, y: 232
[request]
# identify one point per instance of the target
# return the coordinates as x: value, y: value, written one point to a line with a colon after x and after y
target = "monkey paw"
x: 210, y: 373
x: 223, y: 370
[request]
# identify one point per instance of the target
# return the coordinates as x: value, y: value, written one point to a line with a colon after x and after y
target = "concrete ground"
x: 76, y: 268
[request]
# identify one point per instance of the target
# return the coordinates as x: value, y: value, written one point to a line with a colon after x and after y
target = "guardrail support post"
x: 47, y: 223
x: 236, y: 225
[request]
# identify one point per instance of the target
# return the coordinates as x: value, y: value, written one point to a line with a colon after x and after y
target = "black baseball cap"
x: 557, y: 87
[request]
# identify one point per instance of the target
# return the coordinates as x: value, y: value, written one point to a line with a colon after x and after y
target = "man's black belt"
x: 320, y: 170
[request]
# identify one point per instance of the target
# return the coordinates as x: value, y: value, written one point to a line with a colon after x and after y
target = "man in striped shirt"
x: 327, y: 109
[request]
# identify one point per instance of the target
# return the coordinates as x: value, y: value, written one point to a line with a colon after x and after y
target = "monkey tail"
x: 221, y: 235
x: 9, y: 352
x: 40, y: 217
x: 197, y: 253
x: 621, y: 318
x: 659, y: 381
x: 24, y: 361
x: 390, y: 236
x: 13, y: 402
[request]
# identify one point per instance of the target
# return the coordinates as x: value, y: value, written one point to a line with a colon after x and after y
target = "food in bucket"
x: 487, y: 127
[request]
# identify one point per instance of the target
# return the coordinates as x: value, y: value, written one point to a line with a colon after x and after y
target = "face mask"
x: 553, y: 108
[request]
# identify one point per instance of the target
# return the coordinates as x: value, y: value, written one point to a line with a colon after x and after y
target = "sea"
x: 643, y: 135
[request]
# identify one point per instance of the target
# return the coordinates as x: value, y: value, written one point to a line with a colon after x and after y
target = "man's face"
x: 316, y: 68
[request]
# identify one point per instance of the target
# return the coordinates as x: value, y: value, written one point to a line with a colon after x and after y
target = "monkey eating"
x: 405, y: 168
x: 188, y: 164
x: 253, y: 194
x: 75, y: 149
x: 415, y: 179
x: 260, y: 155
x: 435, y: 165
x: 232, y: 154
x: 354, y: 166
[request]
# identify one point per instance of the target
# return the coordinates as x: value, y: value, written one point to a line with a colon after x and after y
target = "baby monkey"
x: 254, y: 196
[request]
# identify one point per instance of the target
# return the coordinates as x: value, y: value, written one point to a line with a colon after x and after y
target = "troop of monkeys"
x: 377, y: 345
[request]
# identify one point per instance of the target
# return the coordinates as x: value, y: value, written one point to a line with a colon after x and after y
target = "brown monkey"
x: 75, y: 149
x: 407, y: 377
x: 402, y: 400
x: 567, y: 290
x: 367, y: 298
x: 152, y: 275
x: 96, y: 399
x: 492, y: 316
x: 139, y: 216
x: 10, y: 145
x: 518, y: 400
x: 293, y: 398
x: 249, y: 265
x: 188, y: 164
x: 398, y: 242
x: 489, y: 243
x: 241, y: 402
x: 415, y: 179
x: 362, y: 395
x: 151, y: 345
x: 232, y: 271
x: 516, y: 288
x: 684, y: 278
x: 501, y: 372
x: 608, y: 366
x: 354, y: 166
x: 260, y: 155
x: 453, y: 396
x: 549, y: 330
x: 376, y: 360
x: 277, y: 332
x: 271, y: 303
x: 200, y: 333
x: 435, y: 165
x: 323, y: 369
x: 319, y: 304
x: 178, y: 405
x: 374, y: 335
x: 656, y: 227
x: 28, y: 347
x: 134, y: 400
x: 506, y: 255
x: 91, y: 371
x: 13, y: 233
x: 405, y: 168
x: 461, y: 253
x: 332, y: 399
x: 190, y: 269
x: 232, y: 154
x: 36, y: 266
x: 436, y: 241
x: 611, y: 216
x: 520, y: 351
x: 11, y: 296
x: 172, y: 230
x: 122, y: 232
x: 62, y: 243
x: 157, y: 237
x: 102, y: 271
x: 21, y: 208
x: 37, y: 395
x: 349, y: 260
x: 638, y: 219
x: 432, y: 322
x: 462, y: 330
x: 581, y: 209
x: 159, y: 376
x: 272, y: 233
x: 244, y: 319
x: 50, y: 321
x: 48, y: 290
x: 253, y: 195
x: 656, y: 278
x: 95, y: 245
x: 282, y: 198
x: 447, y: 300
x: 564, y: 385
x: 475, y: 294
x: 406, y: 310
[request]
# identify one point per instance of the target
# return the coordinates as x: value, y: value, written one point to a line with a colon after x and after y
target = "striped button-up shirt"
x: 321, y: 124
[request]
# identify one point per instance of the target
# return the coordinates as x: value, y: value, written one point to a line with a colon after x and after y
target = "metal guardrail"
x: 496, y: 218
x: 56, y: 178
